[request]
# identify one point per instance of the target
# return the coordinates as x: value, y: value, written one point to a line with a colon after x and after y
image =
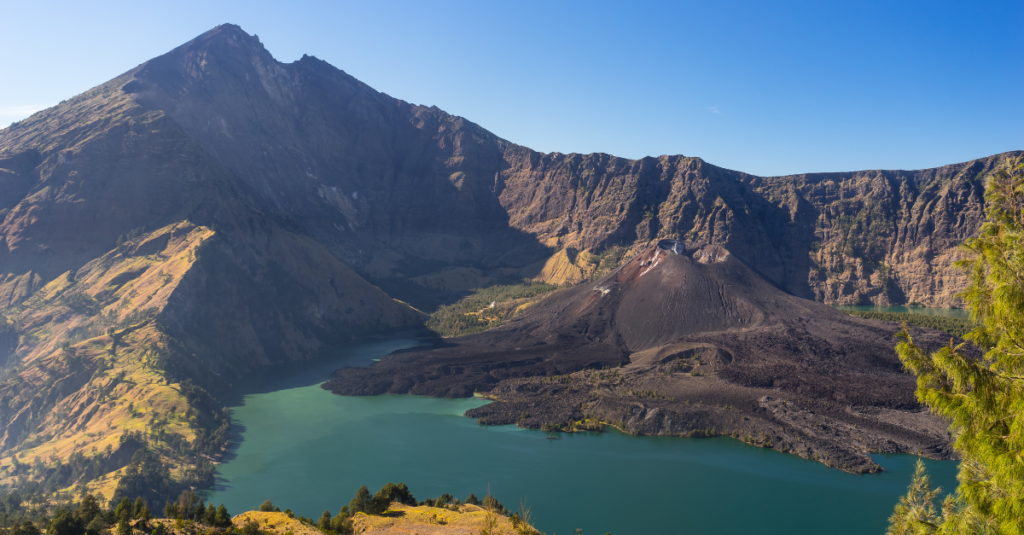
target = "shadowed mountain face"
x: 407, y: 195
x: 682, y: 324
x: 213, y: 210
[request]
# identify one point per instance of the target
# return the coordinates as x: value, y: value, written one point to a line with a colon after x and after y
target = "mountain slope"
x: 399, y: 191
x: 217, y: 289
x: 867, y: 237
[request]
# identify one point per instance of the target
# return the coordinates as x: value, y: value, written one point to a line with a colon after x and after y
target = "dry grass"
x: 423, y: 520
x: 121, y: 390
x: 278, y: 523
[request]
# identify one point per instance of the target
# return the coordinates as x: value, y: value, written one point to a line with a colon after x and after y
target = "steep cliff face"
x: 881, y: 237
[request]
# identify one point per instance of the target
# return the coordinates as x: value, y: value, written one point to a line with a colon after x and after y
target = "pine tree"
x: 88, y: 508
x: 186, y: 504
x: 171, y: 510
x: 983, y: 398
x: 222, y: 519
x: 362, y: 502
x: 137, y: 508
x: 124, y: 509
x: 341, y: 523
x: 325, y: 521
x: 916, y: 511
x: 142, y: 512
x: 65, y: 523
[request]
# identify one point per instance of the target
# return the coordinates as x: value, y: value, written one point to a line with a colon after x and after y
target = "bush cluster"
x: 378, y: 504
x: 954, y: 326
x: 473, y: 313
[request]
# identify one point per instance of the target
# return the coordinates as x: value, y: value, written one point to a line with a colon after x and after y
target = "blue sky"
x: 768, y: 88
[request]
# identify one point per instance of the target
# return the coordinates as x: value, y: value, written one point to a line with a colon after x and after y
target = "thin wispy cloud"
x: 713, y: 109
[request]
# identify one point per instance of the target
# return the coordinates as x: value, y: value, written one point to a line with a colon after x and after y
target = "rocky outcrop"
x: 870, y: 237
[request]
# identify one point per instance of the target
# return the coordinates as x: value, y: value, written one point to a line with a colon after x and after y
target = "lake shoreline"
x: 309, y: 450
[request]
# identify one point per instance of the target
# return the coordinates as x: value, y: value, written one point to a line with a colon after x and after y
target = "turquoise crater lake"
x: 309, y: 450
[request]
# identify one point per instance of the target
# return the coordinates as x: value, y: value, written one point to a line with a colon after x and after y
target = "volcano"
x: 684, y: 339
x: 214, y: 210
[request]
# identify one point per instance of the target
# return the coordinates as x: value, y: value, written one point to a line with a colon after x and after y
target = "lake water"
x: 310, y: 450
x: 948, y: 312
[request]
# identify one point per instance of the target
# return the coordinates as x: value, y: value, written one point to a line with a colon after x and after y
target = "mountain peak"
x: 231, y: 32
x: 222, y: 41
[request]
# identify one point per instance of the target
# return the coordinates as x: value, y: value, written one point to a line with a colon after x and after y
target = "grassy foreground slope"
x: 398, y: 519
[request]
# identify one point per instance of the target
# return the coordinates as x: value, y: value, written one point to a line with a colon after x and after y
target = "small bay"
x: 309, y: 450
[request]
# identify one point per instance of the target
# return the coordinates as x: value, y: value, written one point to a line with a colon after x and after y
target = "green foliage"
x: 26, y: 528
x: 252, y: 528
x: 954, y: 326
x: 393, y: 493
x: 494, y: 508
x: 124, y: 509
x: 341, y: 523
x: 983, y: 398
x: 442, y: 500
x: 141, y: 509
x: 608, y: 259
x: 522, y: 525
x: 89, y: 508
x: 187, y: 507
x: 65, y: 523
x: 490, y: 524
x: 371, y: 504
x: 492, y: 504
x: 362, y: 502
x: 96, y: 525
x: 221, y: 518
x: 916, y: 511
x: 123, y: 239
x: 147, y: 478
x: 473, y: 314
